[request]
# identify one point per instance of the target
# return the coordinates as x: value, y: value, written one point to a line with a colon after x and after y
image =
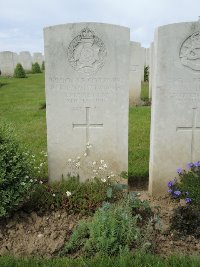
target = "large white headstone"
x: 25, y: 59
x: 135, y: 73
x: 8, y: 61
x: 87, y: 66
x: 175, y: 128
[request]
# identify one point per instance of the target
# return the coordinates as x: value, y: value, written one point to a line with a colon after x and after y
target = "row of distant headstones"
x: 9, y: 60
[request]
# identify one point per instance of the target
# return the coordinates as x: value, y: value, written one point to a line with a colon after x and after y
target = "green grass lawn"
x: 20, y: 105
x: 20, y: 102
x: 123, y: 260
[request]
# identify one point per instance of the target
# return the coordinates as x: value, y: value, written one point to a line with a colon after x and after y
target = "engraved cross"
x: 192, y: 130
x: 87, y: 125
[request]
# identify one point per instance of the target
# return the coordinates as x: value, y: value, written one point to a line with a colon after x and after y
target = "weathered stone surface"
x: 175, y: 127
x: 38, y: 57
x: 8, y: 62
x: 151, y: 67
x: 87, y: 68
x: 136, y: 63
x: 143, y: 56
x: 146, y: 63
x: 25, y: 59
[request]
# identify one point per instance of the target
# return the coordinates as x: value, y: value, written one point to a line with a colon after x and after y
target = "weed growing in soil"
x: 113, y: 228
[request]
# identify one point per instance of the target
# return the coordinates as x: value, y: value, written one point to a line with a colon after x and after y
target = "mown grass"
x: 20, y: 105
x: 123, y: 260
x: 144, y: 91
x: 20, y: 102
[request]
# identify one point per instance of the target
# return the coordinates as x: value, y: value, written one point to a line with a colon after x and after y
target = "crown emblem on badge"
x: 86, y: 52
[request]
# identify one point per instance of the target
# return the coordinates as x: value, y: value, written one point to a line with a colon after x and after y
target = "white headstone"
x: 143, y: 55
x: 38, y: 57
x: 146, y: 57
x: 151, y: 67
x: 135, y: 73
x: 25, y: 59
x: 87, y: 66
x: 175, y: 128
x: 7, y: 63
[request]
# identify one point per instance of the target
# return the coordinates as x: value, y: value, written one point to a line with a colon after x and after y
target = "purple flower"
x: 177, y: 193
x: 190, y: 165
x: 197, y: 164
x: 187, y: 193
x: 170, y: 184
x: 188, y: 200
x: 170, y: 191
x: 179, y: 170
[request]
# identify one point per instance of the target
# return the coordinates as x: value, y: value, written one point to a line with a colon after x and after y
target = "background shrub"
x: 19, y: 71
x: 146, y: 73
x: 36, y: 68
x: 15, y: 172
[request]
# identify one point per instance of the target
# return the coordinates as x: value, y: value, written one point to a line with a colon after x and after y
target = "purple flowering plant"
x: 188, y: 184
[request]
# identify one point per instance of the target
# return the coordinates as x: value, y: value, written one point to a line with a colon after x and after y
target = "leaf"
x: 109, y: 192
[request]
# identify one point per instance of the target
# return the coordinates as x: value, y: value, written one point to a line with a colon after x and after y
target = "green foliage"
x: 146, y: 73
x: 36, y: 68
x: 43, y: 66
x: 15, y: 171
x: 71, y: 195
x: 19, y: 71
x: 190, y: 182
x: 186, y: 221
x: 113, y: 228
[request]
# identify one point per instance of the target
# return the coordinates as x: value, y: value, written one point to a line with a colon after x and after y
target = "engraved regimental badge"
x: 86, y: 52
x: 190, y: 52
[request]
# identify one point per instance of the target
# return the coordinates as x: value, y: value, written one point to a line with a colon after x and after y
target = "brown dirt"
x: 167, y: 242
x: 44, y: 235
x: 31, y: 234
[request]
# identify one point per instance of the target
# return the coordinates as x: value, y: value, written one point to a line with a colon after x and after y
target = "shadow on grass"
x: 2, y: 84
x: 138, y: 183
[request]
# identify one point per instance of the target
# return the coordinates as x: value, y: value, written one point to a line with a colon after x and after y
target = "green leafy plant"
x: 73, y: 196
x: 19, y: 71
x: 113, y: 228
x: 188, y: 185
x: 146, y: 73
x: 36, y: 68
x: 15, y: 172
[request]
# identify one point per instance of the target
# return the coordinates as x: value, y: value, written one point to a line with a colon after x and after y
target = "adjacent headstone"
x: 151, y: 67
x: 25, y: 59
x: 38, y: 57
x: 87, y: 66
x: 143, y: 55
x: 8, y: 61
x: 175, y: 127
x: 135, y: 73
x: 146, y: 57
